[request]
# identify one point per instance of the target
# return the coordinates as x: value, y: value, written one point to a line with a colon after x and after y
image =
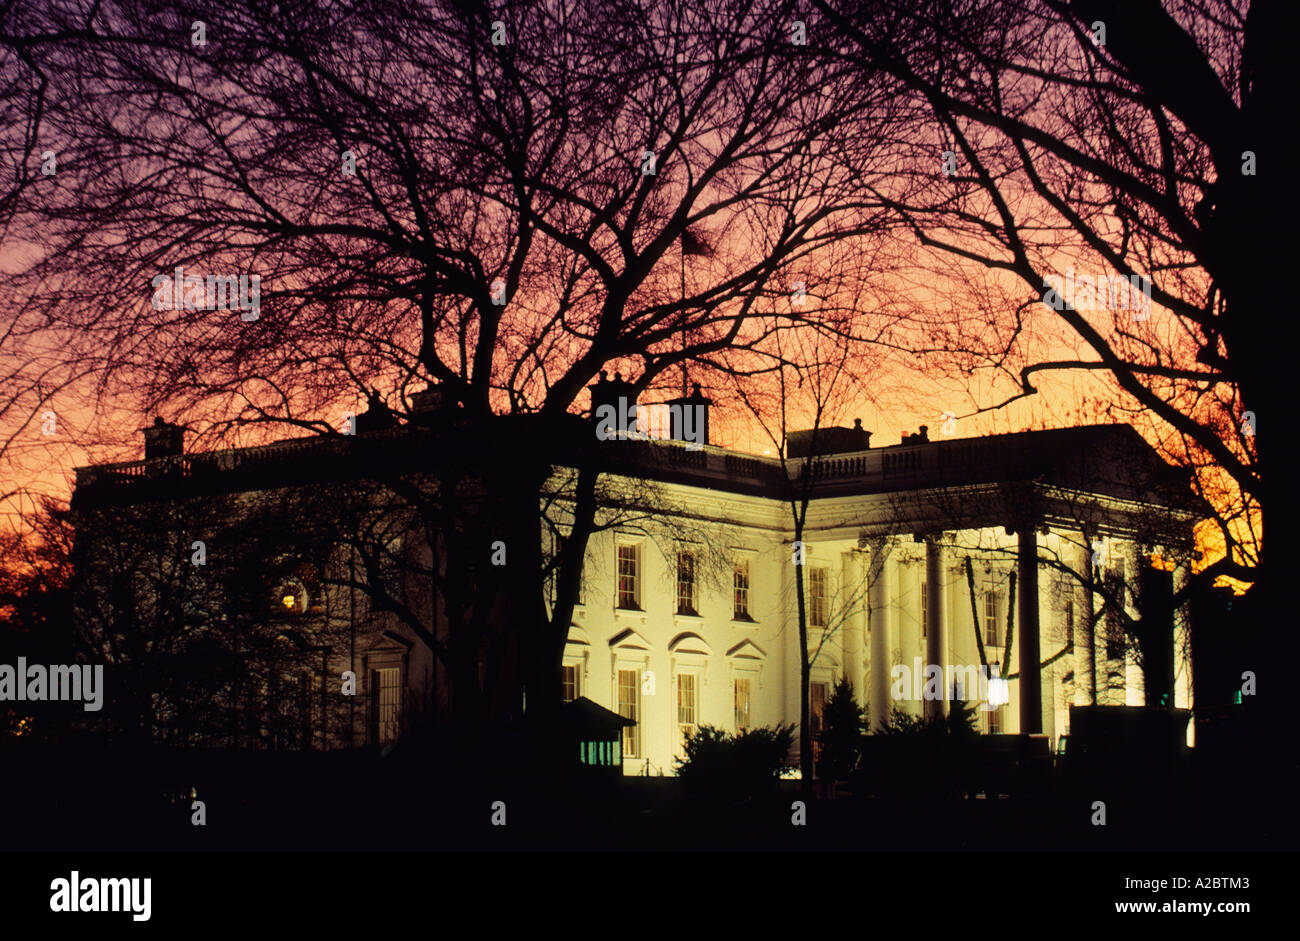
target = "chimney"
x: 690, y: 417
x: 163, y: 440
x: 377, y: 416
x: 924, y: 434
x: 428, y: 399
x: 861, y: 435
x: 426, y: 404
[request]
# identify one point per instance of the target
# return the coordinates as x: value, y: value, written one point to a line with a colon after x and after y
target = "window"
x: 629, y: 707
x: 742, y: 703
x: 686, y: 583
x: 387, y: 691
x: 310, y: 697
x: 600, y: 753
x: 818, y: 694
x: 629, y: 577
x: 570, y: 683
x: 925, y: 610
x: 1115, y: 643
x: 291, y: 598
x: 991, y: 617
x: 742, y: 592
x: 995, y: 721
x: 686, y: 703
x: 817, y: 597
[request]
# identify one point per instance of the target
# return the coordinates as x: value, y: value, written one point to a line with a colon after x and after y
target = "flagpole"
x: 683, y: 314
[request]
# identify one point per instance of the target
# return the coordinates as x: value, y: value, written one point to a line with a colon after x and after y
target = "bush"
x: 916, y: 758
x: 722, y: 766
x: 844, y: 723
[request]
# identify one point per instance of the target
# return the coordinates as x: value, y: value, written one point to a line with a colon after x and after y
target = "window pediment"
x: 747, y: 650
x: 629, y: 640
x: 690, y: 642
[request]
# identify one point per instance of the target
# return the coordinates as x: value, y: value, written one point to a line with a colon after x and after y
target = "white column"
x: 936, y: 626
x: 790, y: 655
x: 854, y: 587
x: 1183, y: 648
x: 1084, y: 661
x: 881, y: 625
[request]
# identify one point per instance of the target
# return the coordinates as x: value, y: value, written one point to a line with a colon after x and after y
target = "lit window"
x: 742, y: 592
x: 817, y: 597
x: 742, y: 703
x: 387, y: 688
x: 291, y: 598
x: 570, y: 683
x: 991, y: 617
x: 685, y: 583
x: 818, y: 693
x: 629, y: 707
x: 1115, y: 642
x: 629, y: 572
x: 686, y: 703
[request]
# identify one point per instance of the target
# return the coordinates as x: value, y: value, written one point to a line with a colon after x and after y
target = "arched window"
x: 291, y: 597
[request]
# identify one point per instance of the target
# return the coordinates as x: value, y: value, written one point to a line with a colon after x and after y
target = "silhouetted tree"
x: 843, y: 725
x: 443, y: 194
x: 1133, y: 139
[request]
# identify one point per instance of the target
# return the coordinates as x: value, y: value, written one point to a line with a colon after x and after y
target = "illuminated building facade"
x: 951, y: 558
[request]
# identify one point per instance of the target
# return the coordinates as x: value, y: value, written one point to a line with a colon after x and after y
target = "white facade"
x: 688, y: 614
x: 870, y: 586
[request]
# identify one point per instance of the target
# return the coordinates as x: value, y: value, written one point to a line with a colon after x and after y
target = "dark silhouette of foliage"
x: 844, y: 723
x: 915, y: 757
x: 722, y: 766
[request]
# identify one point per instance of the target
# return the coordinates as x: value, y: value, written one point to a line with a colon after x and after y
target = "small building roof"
x: 587, y: 719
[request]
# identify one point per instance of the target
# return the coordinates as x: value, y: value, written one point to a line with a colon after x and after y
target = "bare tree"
x: 35, y: 602
x: 1121, y: 141
x: 208, y: 613
x: 491, y: 201
x: 812, y: 382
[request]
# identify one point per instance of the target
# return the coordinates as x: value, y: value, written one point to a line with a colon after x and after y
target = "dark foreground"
x: 60, y: 799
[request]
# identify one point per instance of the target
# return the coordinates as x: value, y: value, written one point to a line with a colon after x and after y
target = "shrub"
x: 917, y: 757
x: 719, y: 765
x: 844, y: 723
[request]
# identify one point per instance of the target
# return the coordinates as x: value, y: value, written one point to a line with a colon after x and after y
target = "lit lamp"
x: 999, y: 691
x: 289, y: 601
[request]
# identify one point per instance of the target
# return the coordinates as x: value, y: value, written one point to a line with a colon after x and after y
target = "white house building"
x: 926, y: 565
